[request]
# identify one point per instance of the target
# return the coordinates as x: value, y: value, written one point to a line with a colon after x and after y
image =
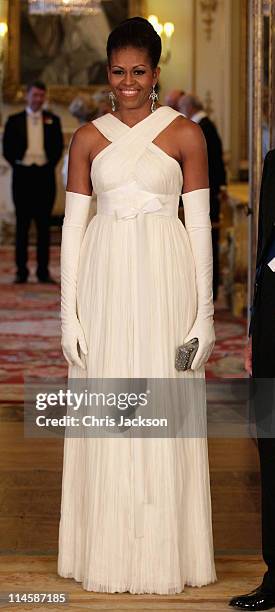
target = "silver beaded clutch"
x: 185, y: 354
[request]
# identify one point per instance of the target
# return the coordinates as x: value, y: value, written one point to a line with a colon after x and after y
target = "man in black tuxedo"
x: 33, y: 145
x: 191, y: 107
x: 260, y: 363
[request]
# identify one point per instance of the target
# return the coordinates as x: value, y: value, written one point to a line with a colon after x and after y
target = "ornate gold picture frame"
x: 14, y: 88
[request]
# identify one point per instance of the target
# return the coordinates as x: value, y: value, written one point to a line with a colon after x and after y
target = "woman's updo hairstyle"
x: 135, y: 32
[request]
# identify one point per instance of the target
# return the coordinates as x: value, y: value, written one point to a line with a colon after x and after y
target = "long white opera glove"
x: 196, y: 205
x: 77, y: 208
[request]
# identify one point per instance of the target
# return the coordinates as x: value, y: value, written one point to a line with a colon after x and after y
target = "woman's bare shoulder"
x: 187, y: 127
x: 189, y: 134
x: 85, y: 137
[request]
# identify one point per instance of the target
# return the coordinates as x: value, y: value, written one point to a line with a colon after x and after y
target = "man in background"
x: 192, y: 108
x: 33, y: 145
x: 173, y: 97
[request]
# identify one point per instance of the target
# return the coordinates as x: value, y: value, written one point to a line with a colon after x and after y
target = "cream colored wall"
x: 212, y: 68
x: 220, y: 73
x: 178, y: 72
x: 208, y: 66
x: 239, y: 127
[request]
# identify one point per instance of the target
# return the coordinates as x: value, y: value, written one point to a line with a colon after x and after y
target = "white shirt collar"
x: 197, y: 117
x: 33, y: 113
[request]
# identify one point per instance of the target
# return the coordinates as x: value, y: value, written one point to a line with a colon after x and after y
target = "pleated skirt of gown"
x: 97, y: 540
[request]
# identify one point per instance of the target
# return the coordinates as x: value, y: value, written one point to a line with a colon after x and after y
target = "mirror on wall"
x: 261, y: 111
x: 268, y: 80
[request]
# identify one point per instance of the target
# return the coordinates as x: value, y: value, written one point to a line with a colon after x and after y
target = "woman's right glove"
x: 77, y: 208
x: 196, y: 207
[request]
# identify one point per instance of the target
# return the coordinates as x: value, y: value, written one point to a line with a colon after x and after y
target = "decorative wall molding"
x: 243, y: 109
x: 208, y: 9
x: 208, y: 103
x: 213, y: 65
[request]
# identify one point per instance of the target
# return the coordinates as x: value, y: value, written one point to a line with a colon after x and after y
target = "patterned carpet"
x: 30, y: 331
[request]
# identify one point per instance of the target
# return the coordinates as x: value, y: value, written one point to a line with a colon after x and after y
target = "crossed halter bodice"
x: 132, y: 175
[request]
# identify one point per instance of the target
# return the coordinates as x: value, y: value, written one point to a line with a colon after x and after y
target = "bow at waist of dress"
x: 130, y: 200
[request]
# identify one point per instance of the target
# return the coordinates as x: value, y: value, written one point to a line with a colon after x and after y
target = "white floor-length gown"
x: 136, y: 515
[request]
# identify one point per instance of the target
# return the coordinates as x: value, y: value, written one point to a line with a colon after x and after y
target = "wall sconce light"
x: 166, y: 32
x: 3, y: 28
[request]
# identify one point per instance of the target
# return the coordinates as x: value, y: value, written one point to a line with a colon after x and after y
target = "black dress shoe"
x: 47, y: 279
x: 256, y: 600
x: 20, y: 279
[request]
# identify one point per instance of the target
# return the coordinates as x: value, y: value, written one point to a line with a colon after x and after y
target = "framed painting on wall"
x: 67, y: 52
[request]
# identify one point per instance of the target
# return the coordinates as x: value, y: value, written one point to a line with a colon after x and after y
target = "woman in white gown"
x: 136, y: 284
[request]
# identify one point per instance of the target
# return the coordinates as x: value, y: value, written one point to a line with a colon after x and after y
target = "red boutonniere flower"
x: 48, y: 120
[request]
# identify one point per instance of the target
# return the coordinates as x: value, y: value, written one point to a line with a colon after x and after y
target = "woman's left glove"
x: 204, y: 331
x: 77, y: 208
x: 196, y: 207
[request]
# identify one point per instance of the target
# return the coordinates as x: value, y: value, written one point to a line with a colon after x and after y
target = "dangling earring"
x: 112, y: 99
x: 153, y: 96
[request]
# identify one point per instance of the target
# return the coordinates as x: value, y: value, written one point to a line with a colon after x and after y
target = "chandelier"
x: 69, y: 7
